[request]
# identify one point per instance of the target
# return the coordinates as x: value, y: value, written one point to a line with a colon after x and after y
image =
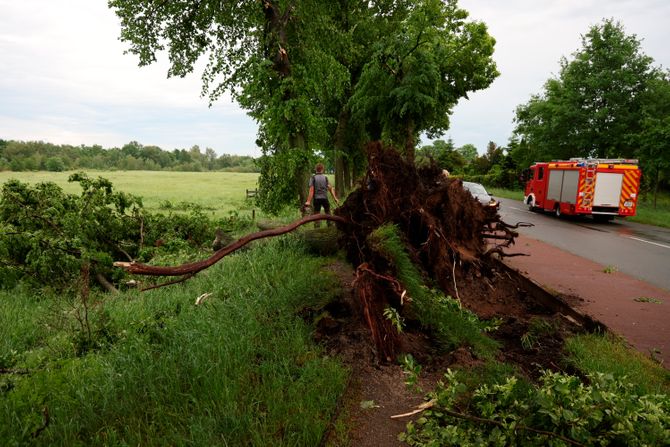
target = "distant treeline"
x: 41, y: 156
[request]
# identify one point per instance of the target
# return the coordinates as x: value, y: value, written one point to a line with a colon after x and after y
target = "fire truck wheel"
x: 531, y: 206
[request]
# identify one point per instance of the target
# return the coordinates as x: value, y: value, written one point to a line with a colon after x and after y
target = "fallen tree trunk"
x: 194, y: 267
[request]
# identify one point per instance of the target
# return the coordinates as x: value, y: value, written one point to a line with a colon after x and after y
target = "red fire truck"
x: 603, y: 188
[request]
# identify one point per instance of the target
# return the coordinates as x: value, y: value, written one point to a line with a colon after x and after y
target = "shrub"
x: 48, y: 235
x: 54, y: 164
x: 560, y: 411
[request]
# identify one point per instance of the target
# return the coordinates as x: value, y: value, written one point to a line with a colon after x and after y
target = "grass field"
x: 217, y: 192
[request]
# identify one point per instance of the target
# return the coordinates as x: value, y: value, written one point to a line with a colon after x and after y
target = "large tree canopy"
x: 418, y: 73
x: 653, y: 140
x: 302, y: 67
x: 593, y: 107
x: 271, y: 55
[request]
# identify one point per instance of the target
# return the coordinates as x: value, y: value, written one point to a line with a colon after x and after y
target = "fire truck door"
x: 555, y: 184
x: 570, y: 186
x: 608, y: 189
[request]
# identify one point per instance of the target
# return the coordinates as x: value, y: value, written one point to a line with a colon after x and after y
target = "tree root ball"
x: 445, y: 230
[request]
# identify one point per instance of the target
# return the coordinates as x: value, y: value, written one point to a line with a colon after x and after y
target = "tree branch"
x: 108, y: 286
x: 195, y: 267
x: 413, y: 49
x: 168, y: 283
x: 518, y: 427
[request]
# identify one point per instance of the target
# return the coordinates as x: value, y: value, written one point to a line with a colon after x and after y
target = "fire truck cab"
x: 603, y: 188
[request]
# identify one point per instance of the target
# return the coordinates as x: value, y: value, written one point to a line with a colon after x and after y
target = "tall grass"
x: 443, y: 316
x: 240, y: 369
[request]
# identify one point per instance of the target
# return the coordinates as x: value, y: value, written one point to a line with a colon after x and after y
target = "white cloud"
x: 531, y: 38
x: 64, y: 77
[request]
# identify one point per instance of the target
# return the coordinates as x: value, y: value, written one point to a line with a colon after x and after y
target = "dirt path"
x: 629, y: 307
x: 377, y: 393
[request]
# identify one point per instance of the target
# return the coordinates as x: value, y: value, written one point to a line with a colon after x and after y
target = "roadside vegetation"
x: 238, y: 369
x: 242, y: 366
x: 658, y: 214
x: 606, y: 353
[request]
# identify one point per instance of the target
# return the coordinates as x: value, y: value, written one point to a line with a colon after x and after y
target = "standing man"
x: 318, y: 189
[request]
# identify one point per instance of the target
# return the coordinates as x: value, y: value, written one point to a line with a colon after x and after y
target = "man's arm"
x: 332, y: 192
x: 310, y: 195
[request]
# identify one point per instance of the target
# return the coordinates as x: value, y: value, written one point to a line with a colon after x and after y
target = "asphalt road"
x: 642, y: 251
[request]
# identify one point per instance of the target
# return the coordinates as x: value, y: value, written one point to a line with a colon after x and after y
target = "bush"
x: 51, y: 235
x: 560, y: 411
x: 54, y: 164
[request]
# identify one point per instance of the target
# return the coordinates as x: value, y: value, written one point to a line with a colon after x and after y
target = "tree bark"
x: 656, y: 182
x: 298, y: 143
x: 276, y: 23
x: 108, y: 286
x: 349, y: 173
x: 409, y: 141
x: 339, y: 141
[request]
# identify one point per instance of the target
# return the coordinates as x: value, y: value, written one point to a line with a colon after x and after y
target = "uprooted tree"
x: 442, y: 231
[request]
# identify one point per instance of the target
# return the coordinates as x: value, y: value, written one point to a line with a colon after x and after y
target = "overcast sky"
x: 64, y: 78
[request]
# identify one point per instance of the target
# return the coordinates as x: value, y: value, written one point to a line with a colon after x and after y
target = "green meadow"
x: 219, y: 193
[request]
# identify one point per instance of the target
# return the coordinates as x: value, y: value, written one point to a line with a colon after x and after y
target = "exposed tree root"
x: 446, y: 232
x: 368, y: 286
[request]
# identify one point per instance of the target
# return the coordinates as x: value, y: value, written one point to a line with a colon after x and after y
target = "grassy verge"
x: 658, y: 215
x: 499, y: 193
x: 591, y: 353
x: 240, y: 369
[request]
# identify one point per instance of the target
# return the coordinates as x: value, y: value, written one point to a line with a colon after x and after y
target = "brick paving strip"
x: 634, y: 309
